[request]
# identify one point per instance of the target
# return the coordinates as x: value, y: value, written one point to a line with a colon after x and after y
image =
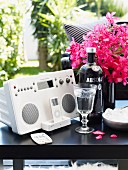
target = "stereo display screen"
x: 45, y: 84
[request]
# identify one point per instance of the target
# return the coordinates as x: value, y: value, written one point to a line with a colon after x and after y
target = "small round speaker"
x: 30, y: 113
x: 68, y: 103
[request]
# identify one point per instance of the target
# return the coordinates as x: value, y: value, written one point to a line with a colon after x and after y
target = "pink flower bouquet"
x: 111, y: 42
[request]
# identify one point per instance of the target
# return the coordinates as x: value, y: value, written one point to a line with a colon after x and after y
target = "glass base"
x: 86, y: 130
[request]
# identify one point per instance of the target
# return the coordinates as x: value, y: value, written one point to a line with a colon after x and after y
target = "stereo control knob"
x: 61, y: 81
x: 67, y: 80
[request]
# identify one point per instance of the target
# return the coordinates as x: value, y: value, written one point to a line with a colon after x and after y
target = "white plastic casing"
x: 28, y: 100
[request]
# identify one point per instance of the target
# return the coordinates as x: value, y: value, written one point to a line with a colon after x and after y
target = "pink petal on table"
x: 98, y: 132
x: 99, y: 137
x: 113, y: 136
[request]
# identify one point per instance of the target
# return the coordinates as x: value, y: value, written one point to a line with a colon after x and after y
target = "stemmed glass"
x: 85, y: 95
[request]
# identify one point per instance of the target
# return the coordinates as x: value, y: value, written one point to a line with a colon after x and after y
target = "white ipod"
x: 56, y: 112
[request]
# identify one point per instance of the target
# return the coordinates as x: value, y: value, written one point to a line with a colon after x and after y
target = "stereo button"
x: 67, y: 80
x: 61, y: 81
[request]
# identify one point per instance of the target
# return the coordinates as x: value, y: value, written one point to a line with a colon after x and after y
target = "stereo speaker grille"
x: 30, y: 113
x: 68, y: 103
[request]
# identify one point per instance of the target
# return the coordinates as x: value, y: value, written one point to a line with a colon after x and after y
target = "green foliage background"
x: 11, y: 35
x: 48, y: 18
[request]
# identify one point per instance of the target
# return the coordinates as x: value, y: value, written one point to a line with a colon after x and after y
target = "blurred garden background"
x: 32, y: 37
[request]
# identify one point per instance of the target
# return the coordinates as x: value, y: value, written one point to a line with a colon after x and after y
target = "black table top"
x: 67, y: 144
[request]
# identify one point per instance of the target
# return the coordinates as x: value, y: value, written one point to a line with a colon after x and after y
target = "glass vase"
x: 109, y: 92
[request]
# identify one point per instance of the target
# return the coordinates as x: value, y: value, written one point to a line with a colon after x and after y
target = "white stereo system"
x: 44, y: 101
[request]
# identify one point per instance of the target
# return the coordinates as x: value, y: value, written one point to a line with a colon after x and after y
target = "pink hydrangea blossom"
x: 111, y: 42
x: 113, y: 136
x: 98, y: 132
x: 99, y: 137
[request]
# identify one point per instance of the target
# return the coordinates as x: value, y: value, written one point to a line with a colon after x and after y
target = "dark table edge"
x: 64, y: 152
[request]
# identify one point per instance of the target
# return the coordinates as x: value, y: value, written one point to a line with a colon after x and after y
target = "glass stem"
x: 84, y: 121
